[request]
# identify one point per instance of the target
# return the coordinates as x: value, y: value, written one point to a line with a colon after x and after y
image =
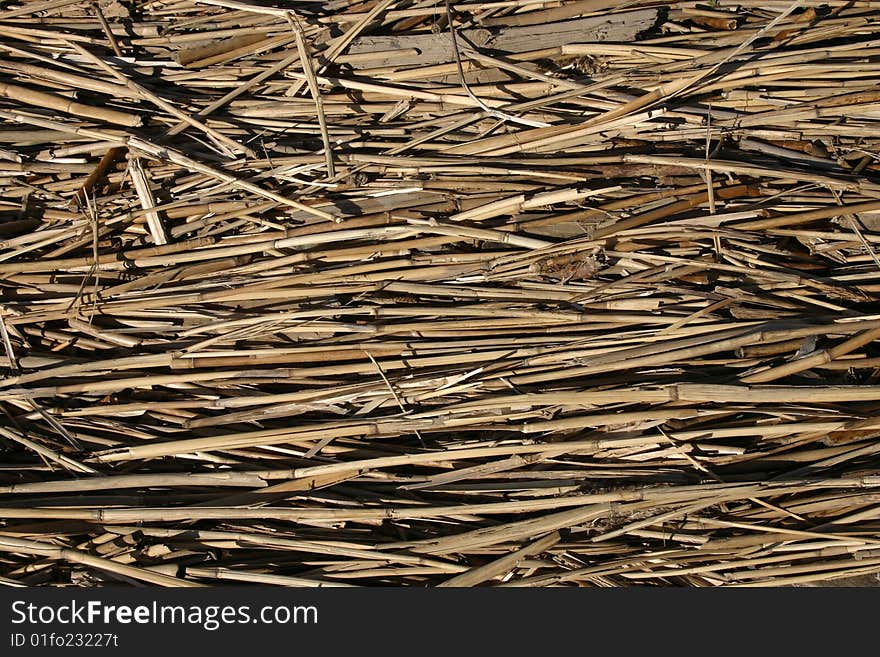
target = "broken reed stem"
x: 306, y: 62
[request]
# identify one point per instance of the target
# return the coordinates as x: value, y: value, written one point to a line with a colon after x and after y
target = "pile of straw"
x: 393, y: 292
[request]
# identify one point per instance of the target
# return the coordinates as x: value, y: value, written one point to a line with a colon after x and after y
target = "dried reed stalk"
x: 513, y: 294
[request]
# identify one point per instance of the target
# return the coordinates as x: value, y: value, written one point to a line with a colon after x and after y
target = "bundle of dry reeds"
x: 394, y: 292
